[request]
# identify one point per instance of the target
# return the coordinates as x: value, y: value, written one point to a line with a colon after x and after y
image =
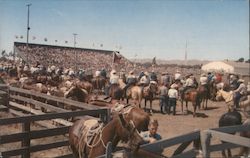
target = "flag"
x: 154, y: 61
x: 116, y: 57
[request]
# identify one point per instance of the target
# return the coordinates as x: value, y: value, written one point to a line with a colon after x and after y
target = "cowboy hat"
x: 241, y: 80
x: 113, y: 72
x: 173, y: 86
x: 131, y: 72
x: 203, y: 75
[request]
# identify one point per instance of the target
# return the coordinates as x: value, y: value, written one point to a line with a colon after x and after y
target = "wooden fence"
x: 200, y: 140
x: 15, y: 100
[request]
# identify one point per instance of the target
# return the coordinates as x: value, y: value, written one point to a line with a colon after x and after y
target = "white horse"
x: 229, y: 99
x: 227, y: 96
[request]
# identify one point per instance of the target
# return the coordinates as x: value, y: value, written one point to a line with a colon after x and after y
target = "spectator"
x: 151, y: 135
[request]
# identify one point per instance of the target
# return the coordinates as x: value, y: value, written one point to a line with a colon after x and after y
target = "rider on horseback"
x: 239, y: 92
x: 131, y: 80
x: 204, y: 80
x: 189, y: 84
x: 114, y: 79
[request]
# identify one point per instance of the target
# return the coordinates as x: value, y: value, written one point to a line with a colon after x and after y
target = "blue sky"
x: 213, y: 29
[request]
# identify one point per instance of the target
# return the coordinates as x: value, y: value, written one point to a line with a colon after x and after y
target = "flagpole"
x: 28, y: 29
x: 113, y: 60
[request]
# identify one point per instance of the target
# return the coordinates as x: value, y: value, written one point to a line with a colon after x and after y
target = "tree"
x: 241, y: 60
x: 247, y: 61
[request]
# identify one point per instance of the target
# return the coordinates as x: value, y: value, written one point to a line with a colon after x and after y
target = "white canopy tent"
x: 218, y: 66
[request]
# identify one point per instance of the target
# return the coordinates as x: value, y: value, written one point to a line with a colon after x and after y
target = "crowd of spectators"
x: 69, y: 57
x: 89, y: 60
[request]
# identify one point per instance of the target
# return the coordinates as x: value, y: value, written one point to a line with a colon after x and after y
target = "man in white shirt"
x: 177, y: 75
x: 172, y: 97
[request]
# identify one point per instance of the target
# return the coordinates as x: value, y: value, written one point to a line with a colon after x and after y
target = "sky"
x: 211, y: 29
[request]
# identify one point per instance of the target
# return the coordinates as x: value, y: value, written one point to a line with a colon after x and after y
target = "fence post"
x: 26, y: 140
x: 205, y: 143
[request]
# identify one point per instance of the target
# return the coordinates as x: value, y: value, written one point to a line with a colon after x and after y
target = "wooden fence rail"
x: 27, y: 135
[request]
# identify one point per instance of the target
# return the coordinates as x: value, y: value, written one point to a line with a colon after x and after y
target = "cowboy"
x: 239, y: 92
x: 153, y: 76
x: 189, y: 83
x: 209, y: 77
x: 131, y: 80
x: 103, y: 73
x: 163, y: 97
x: 177, y: 76
x: 203, y: 80
x: 144, y: 81
x: 218, y: 78
x: 166, y: 79
x: 233, y: 81
x: 114, y: 79
x: 173, y: 95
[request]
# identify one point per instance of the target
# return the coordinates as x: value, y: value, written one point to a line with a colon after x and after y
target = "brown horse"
x: 85, y: 85
x: 192, y: 96
x: 77, y: 94
x: 148, y: 93
x: 99, y: 83
x: 84, y: 146
x: 204, y: 95
x: 116, y: 92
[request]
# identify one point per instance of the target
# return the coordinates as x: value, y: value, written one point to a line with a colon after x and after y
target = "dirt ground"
x: 169, y: 126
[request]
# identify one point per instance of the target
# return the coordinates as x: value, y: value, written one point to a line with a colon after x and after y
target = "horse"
x: 204, y: 95
x: 99, y: 83
x: 192, y: 96
x: 119, y: 127
x: 137, y: 93
x: 116, y: 92
x: 227, y: 96
x: 85, y: 85
x: 77, y: 94
x: 230, y: 118
x: 244, y: 150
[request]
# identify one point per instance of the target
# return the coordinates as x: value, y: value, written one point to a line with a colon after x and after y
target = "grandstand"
x: 67, y: 57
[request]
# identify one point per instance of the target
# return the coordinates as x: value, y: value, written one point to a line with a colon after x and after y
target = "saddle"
x: 86, y: 131
x: 121, y: 108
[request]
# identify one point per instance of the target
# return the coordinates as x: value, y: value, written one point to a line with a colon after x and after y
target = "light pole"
x: 28, y: 29
x: 75, y: 51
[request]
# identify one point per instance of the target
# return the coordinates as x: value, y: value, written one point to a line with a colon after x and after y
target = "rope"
x: 84, y: 138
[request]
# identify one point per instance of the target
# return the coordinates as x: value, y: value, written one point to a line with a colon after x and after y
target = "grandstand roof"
x: 55, y: 46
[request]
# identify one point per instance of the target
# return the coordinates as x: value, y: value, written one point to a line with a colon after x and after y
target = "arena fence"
x: 33, y: 107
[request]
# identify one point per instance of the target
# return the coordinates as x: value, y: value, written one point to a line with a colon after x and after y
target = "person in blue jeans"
x: 173, y: 96
x: 163, y: 98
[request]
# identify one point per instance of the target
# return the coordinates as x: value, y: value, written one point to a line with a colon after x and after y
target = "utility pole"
x: 186, y: 54
x: 28, y: 29
x: 75, y: 52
